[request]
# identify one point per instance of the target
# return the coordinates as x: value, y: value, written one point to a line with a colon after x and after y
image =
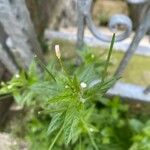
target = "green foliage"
x: 141, y: 138
x: 67, y: 98
x: 70, y: 110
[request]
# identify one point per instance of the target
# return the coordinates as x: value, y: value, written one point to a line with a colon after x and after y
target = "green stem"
x: 55, y: 139
x: 66, y: 73
x: 108, y: 59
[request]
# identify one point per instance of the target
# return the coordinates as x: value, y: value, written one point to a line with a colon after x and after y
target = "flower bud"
x: 57, y: 51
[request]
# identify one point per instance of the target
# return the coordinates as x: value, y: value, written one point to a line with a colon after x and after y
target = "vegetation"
x: 67, y: 107
x: 137, y: 72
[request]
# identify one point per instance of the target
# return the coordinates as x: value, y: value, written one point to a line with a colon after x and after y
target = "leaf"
x: 76, y: 83
x: 56, y: 122
x: 45, y: 68
x: 136, y: 125
x: 107, y: 84
x: 88, y: 113
x: 60, y: 98
x: 44, y: 88
x: 17, y: 97
x: 27, y: 98
x: 86, y: 74
x: 70, y: 124
x: 33, y: 72
x: 88, y: 128
x: 108, y: 58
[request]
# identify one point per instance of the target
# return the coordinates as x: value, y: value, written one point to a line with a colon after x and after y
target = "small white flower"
x: 83, y: 85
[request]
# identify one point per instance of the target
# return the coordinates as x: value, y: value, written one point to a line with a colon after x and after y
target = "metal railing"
x: 85, y: 19
x: 124, y: 90
x: 141, y: 31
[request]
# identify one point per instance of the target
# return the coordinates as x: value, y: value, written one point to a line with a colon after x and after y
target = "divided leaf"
x: 70, y: 124
x: 56, y: 122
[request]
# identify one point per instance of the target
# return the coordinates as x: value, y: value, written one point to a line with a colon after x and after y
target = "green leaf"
x: 70, y: 124
x: 33, y: 73
x: 17, y: 97
x: 86, y: 74
x: 76, y: 84
x: 89, y: 131
x: 62, y: 97
x: 28, y: 98
x: 45, y: 68
x: 45, y: 88
x: 108, y: 58
x: 56, y: 122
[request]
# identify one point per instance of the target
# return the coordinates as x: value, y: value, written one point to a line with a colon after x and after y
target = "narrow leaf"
x: 70, y: 124
x: 108, y: 58
x: 45, y: 68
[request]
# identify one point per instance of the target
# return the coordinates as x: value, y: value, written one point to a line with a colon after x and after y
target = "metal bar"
x: 143, y: 28
x: 84, y: 8
x: 80, y: 31
x: 129, y: 91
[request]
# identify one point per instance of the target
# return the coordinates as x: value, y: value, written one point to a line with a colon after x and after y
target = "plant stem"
x: 66, y: 73
x: 55, y: 139
x: 108, y: 59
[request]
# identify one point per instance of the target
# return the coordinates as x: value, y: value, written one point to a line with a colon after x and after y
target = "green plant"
x: 141, y: 138
x: 71, y: 99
